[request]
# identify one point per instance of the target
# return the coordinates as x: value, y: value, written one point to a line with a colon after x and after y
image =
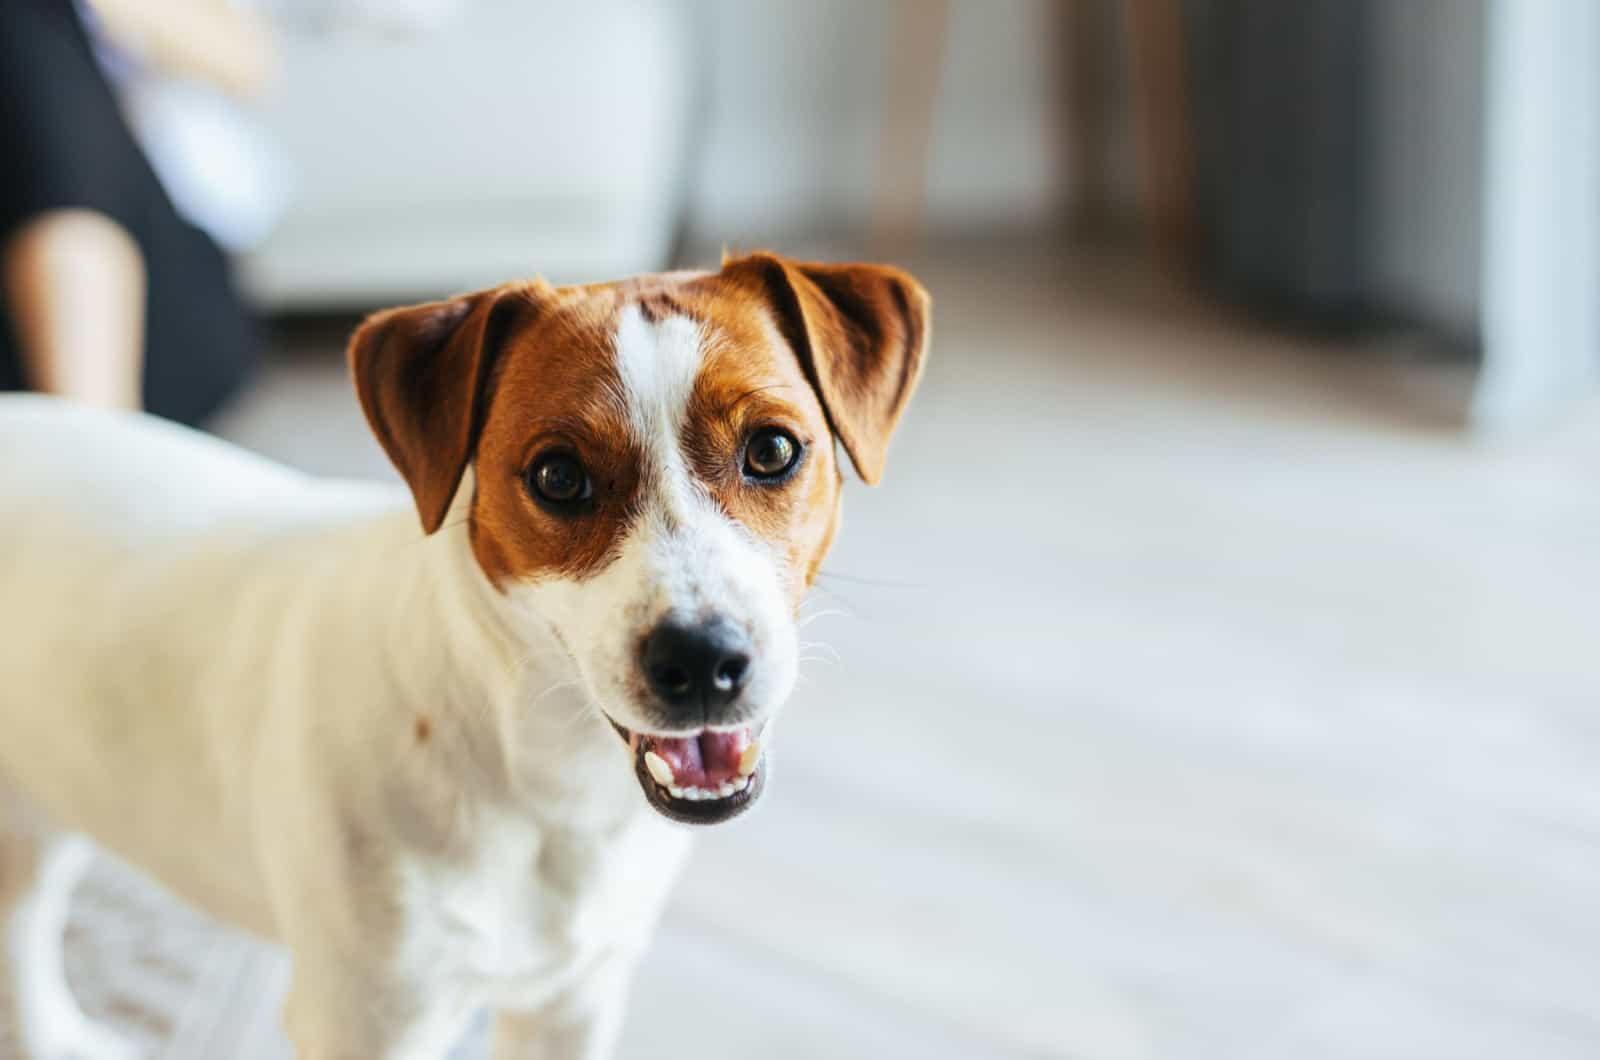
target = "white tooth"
x: 741, y: 783
x: 658, y: 768
x: 726, y: 789
x: 749, y: 759
x: 692, y: 794
x: 675, y: 792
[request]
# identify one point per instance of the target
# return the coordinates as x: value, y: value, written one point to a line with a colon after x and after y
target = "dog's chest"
x: 529, y: 910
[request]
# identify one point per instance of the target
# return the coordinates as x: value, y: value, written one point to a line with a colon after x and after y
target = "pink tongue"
x: 703, y: 761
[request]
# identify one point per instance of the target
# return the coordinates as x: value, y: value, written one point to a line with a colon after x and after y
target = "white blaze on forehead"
x: 658, y: 364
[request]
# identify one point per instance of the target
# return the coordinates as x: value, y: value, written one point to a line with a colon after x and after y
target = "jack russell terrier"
x: 443, y: 767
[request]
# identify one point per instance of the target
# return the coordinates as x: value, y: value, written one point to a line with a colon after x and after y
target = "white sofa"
x: 518, y: 137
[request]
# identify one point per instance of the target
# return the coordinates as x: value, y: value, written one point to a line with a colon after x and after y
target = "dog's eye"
x: 559, y: 479
x: 770, y: 453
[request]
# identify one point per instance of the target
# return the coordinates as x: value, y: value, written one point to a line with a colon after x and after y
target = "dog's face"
x: 656, y: 478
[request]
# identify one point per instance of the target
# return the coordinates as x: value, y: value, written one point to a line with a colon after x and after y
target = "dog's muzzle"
x: 704, y: 764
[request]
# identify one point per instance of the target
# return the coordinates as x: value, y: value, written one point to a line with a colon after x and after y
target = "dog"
x: 447, y: 765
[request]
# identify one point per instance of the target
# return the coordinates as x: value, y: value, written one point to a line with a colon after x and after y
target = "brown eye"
x: 559, y: 479
x: 771, y: 453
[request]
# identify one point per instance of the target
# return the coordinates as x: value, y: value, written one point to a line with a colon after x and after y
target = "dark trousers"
x: 64, y: 144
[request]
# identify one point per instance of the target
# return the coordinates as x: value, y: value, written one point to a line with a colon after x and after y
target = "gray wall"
x: 1342, y: 154
x: 795, y: 96
x: 1430, y: 158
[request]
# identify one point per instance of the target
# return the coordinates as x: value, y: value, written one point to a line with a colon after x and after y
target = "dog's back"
x: 61, y: 463
x: 131, y: 558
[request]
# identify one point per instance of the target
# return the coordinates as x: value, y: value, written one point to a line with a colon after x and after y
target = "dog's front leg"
x: 341, y: 1013
x: 580, y: 1024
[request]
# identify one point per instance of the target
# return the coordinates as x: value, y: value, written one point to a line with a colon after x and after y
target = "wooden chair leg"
x: 916, y: 58
x: 1158, y: 64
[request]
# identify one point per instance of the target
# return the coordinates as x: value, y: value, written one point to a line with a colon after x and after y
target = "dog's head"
x: 655, y: 476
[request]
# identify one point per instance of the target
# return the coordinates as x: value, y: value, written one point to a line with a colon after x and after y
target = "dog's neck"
x: 511, y: 712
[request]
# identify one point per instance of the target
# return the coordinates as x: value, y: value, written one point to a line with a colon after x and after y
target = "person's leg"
x: 74, y: 285
x: 76, y: 194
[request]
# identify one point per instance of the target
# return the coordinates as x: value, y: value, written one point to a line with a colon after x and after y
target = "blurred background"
x: 1213, y: 675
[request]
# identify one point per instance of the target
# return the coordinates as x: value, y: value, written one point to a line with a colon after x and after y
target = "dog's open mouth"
x: 707, y: 778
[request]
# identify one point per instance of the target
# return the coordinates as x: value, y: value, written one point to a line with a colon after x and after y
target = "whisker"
x: 748, y: 394
x: 557, y: 687
x: 837, y: 597
x: 882, y: 583
x: 807, y: 645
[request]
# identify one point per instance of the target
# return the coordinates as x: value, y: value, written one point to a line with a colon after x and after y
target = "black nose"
x: 705, y: 663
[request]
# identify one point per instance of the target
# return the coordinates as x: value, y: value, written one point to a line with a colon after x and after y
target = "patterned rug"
x: 174, y: 982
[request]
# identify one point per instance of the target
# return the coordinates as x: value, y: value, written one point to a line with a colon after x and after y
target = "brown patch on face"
x: 423, y: 729
x: 556, y: 390
x: 655, y: 305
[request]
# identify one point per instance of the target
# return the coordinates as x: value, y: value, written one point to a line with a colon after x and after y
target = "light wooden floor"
x: 1200, y: 694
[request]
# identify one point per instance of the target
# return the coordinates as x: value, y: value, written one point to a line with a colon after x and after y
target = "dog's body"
x: 391, y: 751
x: 252, y: 664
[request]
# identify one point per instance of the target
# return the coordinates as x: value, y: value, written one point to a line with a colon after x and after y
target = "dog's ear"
x: 861, y: 332
x: 422, y: 373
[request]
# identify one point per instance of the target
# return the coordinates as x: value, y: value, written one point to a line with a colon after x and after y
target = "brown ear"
x: 861, y: 332
x: 422, y: 373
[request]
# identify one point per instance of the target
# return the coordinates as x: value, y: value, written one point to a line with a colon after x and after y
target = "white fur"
x: 216, y: 667
x: 658, y: 364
